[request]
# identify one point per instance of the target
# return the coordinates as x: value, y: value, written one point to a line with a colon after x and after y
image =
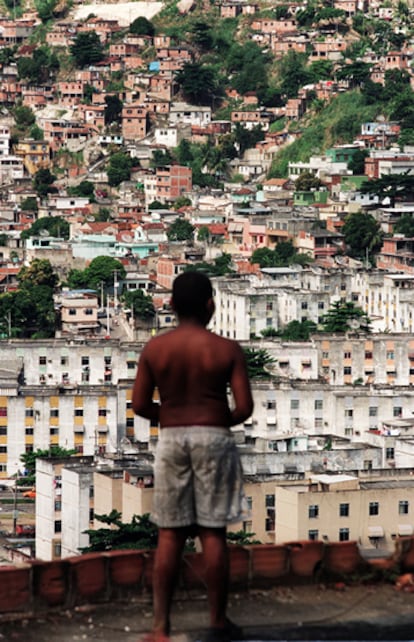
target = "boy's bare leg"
x: 166, y: 567
x: 216, y: 559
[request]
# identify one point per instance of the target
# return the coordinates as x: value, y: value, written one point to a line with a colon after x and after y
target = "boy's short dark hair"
x: 190, y: 292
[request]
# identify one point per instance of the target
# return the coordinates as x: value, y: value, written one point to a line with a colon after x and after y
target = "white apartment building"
x: 64, y: 506
x: 71, y: 393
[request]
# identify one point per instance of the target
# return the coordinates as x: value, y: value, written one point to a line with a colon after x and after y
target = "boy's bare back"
x: 192, y: 368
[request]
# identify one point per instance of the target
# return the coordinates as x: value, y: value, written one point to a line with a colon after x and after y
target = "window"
x: 78, y: 412
x: 29, y: 412
x: 294, y: 404
x: 3, y: 411
x: 53, y: 430
x: 313, y: 511
x: 85, y: 361
x: 107, y: 361
x: 72, y: 312
x: 42, y: 361
x: 397, y: 411
x: 88, y: 311
x: 368, y: 354
x: 54, y: 412
x: 271, y: 405
x: 57, y: 548
x: 313, y: 534
x: 58, y: 526
x: 367, y: 464
x: 390, y: 354
x: 102, y: 412
x: 64, y: 360
x: 131, y: 365
x: 270, y: 501
x: 91, y: 514
x: 304, y: 305
x: 249, y: 503
x: 373, y: 508
x: 130, y: 422
x: 3, y: 430
x: 318, y: 404
x: 248, y: 526
x: 349, y: 413
x: 325, y: 355
x: 58, y: 505
x: 347, y: 355
x: 389, y: 453
x: 347, y: 370
x: 343, y: 510
x: 403, y: 507
x: 343, y: 534
x: 321, y: 305
x: 373, y: 411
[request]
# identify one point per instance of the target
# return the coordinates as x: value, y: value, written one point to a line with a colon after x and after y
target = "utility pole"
x: 115, y: 290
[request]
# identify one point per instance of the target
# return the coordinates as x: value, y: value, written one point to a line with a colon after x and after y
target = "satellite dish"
x: 354, y: 324
x: 43, y: 233
x: 90, y: 219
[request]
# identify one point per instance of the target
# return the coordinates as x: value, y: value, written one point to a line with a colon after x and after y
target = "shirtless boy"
x: 198, y: 475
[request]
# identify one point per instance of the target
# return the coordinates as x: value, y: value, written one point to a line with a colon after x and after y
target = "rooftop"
x: 305, y: 590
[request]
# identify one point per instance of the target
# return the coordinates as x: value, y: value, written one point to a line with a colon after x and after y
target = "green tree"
x: 55, y: 226
x: 39, y: 272
x: 357, y: 162
x: 140, y: 303
x: 284, y: 254
x: 86, y: 48
x: 405, y: 225
x: 298, y: 330
x: 29, y: 460
x: 259, y: 363
x: 29, y: 204
x: 362, y: 234
x: 307, y: 181
x: 140, y: 533
x: 23, y: 116
x: 180, y: 230
x: 43, y: 182
x: 181, y: 201
x: 161, y: 158
x: 390, y: 186
x: 293, y: 73
x: 198, y: 83
x: 84, y: 189
x: 344, y: 316
x: 247, y: 138
x: 100, y: 270
x: 141, y: 26
x: 119, y: 168
x: 45, y: 8
x: 113, y: 109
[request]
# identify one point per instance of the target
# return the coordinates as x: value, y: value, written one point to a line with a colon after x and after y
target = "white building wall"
x: 75, y: 510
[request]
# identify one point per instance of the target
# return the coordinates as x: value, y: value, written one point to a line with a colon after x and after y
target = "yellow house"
x: 35, y: 154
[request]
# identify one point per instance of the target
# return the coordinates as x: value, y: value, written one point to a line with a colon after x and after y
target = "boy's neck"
x: 192, y: 321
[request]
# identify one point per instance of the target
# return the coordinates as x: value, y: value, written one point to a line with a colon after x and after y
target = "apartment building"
x: 72, y: 393
x: 343, y: 507
x: 64, y: 506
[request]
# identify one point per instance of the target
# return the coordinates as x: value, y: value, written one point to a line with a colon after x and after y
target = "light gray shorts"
x: 198, y: 478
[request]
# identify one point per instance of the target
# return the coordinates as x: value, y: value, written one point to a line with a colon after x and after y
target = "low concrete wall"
x: 38, y: 587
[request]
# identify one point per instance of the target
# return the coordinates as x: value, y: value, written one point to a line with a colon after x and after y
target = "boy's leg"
x: 216, y: 559
x: 166, y: 567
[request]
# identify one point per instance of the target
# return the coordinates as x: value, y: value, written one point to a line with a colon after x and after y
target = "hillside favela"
x: 267, y: 144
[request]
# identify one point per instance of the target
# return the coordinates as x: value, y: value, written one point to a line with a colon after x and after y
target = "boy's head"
x: 192, y: 297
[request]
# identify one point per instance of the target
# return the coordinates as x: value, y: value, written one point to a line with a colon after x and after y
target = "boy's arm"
x: 143, y: 391
x: 240, y: 387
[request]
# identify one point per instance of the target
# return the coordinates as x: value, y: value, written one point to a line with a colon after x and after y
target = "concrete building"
x: 343, y: 507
